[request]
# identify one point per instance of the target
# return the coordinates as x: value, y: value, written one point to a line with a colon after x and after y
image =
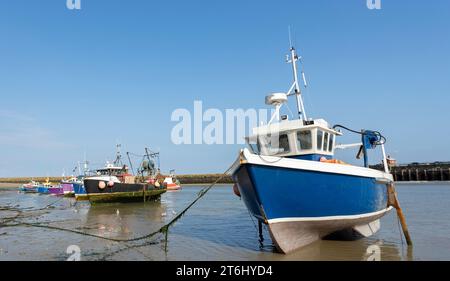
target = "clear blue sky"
x: 78, y: 81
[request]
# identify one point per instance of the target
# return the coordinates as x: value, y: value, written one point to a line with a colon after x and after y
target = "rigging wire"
x: 381, y: 139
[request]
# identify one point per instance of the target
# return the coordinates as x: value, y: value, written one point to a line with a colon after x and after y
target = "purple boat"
x: 67, y: 188
x: 56, y: 190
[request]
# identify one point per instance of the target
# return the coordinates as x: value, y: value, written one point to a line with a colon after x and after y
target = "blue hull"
x: 78, y: 188
x: 28, y: 189
x: 42, y: 189
x: 275, y: 192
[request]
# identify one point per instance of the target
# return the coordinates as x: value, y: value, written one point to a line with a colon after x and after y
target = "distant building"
x: 391, y: 161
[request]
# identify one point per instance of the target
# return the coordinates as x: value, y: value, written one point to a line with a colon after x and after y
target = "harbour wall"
x: 184, y: 179
x: 437, y: 171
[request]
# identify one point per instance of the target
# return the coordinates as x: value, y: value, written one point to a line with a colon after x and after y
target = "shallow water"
x: 218, y: 227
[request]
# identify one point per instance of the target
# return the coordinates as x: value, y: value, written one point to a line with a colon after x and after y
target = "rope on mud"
x: 163, y: 229
x: 20, y: 211
x: 201, y: 193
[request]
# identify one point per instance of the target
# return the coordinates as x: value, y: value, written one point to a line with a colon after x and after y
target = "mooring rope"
x: 163, y: 229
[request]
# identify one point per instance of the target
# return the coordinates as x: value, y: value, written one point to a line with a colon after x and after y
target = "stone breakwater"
x: 184, y: 179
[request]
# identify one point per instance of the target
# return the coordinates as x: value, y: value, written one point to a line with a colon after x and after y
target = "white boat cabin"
x: 309, y: 140
x: 111, y: 170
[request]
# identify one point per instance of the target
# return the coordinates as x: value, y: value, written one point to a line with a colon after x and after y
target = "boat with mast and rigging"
x: 78, y: 183
x: 115, y: 183
x: 289, y: 179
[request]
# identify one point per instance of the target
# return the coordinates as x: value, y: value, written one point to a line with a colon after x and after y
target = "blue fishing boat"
x: 77, y: 183
x: 44, y: 187
x: 289, y: 179
x: 79, y: 190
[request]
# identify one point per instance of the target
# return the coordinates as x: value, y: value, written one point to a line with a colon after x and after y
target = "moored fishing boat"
x: 289, y: 179
x: 56, y: 190
x: 79, y: 190
x: 68, y: 186
x: 44, y: 188
x: 171, y: 182
x: 78, y: 182
x: 114, y: 183
x: 31, y: 187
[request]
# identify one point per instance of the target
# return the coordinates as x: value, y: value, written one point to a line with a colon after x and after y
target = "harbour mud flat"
x: 9, y: 185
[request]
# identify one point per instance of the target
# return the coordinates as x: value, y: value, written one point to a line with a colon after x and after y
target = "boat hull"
x: 42, y: 190
x: 301, y: 206
x: 120, y: 192
x: 68, y: 189
x: 25, y: 189
x: 80, y: 192
x: 173, y: 186
x: 58, y: 190
x: 290, y: 234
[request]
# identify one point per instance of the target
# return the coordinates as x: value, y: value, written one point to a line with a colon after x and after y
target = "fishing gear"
x: 369, y: 139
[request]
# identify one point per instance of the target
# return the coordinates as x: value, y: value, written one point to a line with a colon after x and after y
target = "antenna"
x: 305, y: 84
x: 118, y: 160
x: 295, y: 88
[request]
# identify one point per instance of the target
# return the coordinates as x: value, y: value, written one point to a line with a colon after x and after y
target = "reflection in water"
x: 125, y: 221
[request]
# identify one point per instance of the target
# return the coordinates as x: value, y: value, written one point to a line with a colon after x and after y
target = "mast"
x: 118, y: 160
x: 85, y: 165
x: 295, y: 88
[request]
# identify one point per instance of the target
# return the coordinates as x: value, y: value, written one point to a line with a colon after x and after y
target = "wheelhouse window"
x: 325, y: 142
x: 283, y: 142
x: 275, y: 145
x: 304, y: 140
x: 254, y: 145
x: 330, y: 146
x: 319, y: 139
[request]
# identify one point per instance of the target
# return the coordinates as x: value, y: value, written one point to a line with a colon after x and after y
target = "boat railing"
x: 370, y: 140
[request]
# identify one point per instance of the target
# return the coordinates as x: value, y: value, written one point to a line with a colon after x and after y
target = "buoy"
x: 236, y: 190
x: 110, y: 183
x: 101, y: 184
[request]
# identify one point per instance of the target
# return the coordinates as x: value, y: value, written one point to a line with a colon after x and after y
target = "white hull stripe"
x: 330, y: 218
x: 316, y: 166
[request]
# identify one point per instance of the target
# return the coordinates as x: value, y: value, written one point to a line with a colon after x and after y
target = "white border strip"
x: 316, y: 166
x: 350, y: 217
